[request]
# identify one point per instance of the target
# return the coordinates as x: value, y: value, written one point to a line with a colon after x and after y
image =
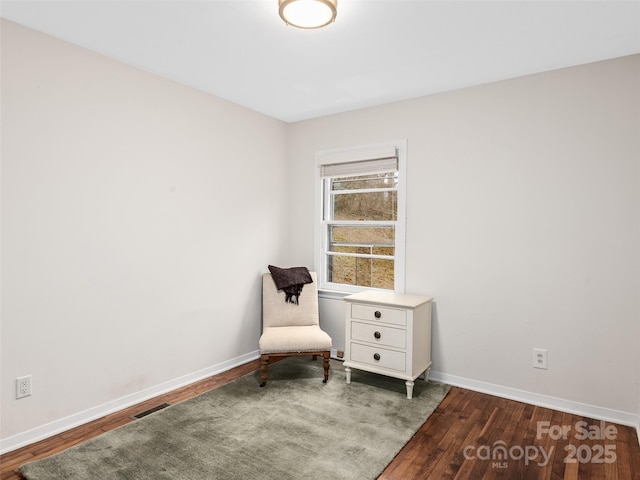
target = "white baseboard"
x: 45, y: 431
x: 583, y: 409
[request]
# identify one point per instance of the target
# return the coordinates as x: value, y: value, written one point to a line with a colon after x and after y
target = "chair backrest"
x: 278, y: 313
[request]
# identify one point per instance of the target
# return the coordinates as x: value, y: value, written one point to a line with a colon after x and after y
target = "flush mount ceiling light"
x: 308, y: 13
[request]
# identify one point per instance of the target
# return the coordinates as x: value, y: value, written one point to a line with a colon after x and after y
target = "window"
x: 361, y: 215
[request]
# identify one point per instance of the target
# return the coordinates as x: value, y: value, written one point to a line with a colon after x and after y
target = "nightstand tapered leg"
x: 409, y: 385
x: 347, y: 372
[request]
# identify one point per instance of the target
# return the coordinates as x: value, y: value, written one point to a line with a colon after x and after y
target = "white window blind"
x: 357, y: 154
x: 364, y: 167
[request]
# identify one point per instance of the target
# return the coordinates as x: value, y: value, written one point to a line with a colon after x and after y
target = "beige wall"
x: 137, y: 217
x: 523, y: 221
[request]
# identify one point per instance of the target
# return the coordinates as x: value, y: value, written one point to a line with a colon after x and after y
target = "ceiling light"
x: 308, y: 13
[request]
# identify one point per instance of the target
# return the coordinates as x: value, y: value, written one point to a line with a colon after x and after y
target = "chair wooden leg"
x: 264, y: 365
x: 325, y: 365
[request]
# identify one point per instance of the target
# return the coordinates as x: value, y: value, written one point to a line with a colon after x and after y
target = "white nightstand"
x: 389, y: 334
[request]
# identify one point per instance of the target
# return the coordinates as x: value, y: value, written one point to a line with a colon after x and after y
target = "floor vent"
x: 151, y: 410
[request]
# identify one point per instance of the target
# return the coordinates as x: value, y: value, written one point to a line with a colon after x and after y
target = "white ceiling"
x: 376, y: 51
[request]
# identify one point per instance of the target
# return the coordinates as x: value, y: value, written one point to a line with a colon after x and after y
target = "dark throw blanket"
x: 290, y: 280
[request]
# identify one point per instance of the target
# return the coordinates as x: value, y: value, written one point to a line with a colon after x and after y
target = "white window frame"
x: 349, y: 155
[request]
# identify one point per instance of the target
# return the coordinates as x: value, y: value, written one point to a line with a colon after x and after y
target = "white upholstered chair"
x: 289, y: 329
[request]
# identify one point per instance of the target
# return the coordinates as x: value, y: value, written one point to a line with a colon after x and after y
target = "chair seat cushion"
x: 308, y: 338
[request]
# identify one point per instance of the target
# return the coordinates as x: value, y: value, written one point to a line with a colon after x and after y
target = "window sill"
x: 339, y: 295
x: 333, y: 294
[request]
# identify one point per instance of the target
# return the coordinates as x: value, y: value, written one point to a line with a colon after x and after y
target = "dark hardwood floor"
x: 471, y: 435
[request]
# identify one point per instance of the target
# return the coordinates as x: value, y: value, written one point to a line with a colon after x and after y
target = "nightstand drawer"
x: 391, y: 337
x: 379, y: 314
x: 379, y: 357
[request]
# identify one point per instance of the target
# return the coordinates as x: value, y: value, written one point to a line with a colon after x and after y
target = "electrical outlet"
x: 23, y: 386
x: 340, y: 354
x: 540, y: 358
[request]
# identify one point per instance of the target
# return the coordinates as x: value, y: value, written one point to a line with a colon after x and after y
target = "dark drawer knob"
x: 377, y: 335
x: 376, y: 356
x: 377, y: 314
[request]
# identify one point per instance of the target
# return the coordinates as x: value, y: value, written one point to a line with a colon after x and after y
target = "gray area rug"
x: 294, y: 428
